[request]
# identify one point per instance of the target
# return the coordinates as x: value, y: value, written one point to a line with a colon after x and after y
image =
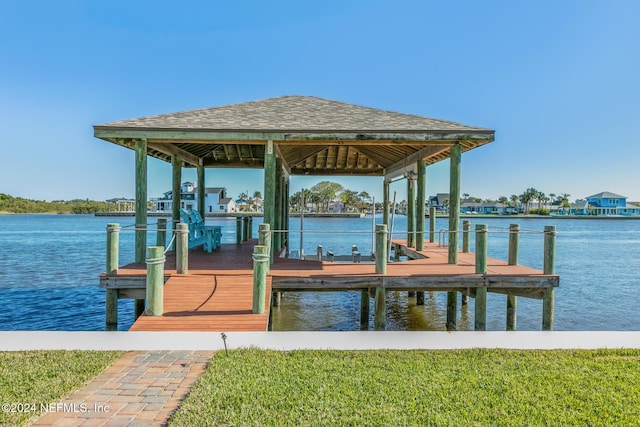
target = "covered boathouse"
x: 304, y: 135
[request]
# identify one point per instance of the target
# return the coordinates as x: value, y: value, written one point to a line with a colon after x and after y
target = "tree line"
x: 10, y: 204
x: 324, y: 193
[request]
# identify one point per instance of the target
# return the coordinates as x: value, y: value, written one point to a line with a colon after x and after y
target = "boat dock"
x: 217, y: 292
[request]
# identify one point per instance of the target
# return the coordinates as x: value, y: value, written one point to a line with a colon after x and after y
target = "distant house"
x: 121, y: 205
x: 579, y: 207
x: 483, y: 208
x: 440, y: 201
x: 607, y: 203
x: 215, y: 199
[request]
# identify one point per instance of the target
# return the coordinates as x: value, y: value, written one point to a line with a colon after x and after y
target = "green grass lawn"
x: 42, y: 377
x: 447, y: 388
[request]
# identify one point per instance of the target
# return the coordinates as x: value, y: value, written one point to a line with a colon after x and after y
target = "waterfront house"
x: 215, y: 199
x: 493, y: 208
x: 440, y: 201
x: 607, y: 203
x: 120, y: 205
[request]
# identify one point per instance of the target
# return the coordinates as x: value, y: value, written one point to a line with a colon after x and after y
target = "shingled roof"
x: 313, y: 136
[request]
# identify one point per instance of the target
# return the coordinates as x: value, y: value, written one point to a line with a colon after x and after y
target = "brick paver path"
x: 141, y: 388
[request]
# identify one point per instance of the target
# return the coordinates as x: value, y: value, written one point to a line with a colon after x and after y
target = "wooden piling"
x: 270, y: 187
x: 245, y: 228
x: 276, y: 299
x: 201, y: 189
x: 182, y: 248
x: 176, y: 184
x: 113, y: 245
x: 260, y: 263
x: 319, y: 252
x: 364, y: 310
x: 466, y: 244
x: 512, y: 300
x: 411, y: 213
x: 381, y: 249
x: 239, y: 232
x: 111, y: 295
x: 141, y: 200
x: 380, y: 313
x: 249, y: 228
x: 480, y: 323
x: 420, y: 205
x: 420, y: 298
x: 161, y: 232
x: 155, y: 281
x: 385, y: 202
x: 111, y: 310
x: 455, y: 157
x: 432, y: 225
x: 549, y: 268
x: 264, y: 238
x: 452, y: 304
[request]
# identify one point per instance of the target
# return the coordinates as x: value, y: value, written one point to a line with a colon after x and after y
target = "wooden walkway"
x: 216, y: 295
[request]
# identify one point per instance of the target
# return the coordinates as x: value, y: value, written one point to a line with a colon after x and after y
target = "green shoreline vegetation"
x: 43, y: 377
x: 442, y: 388
x: 16, y: 205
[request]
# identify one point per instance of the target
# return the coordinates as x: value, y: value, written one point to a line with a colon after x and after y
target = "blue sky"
x: 557, y: 80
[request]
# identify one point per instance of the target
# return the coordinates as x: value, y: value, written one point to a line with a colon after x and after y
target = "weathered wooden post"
x: 466, y: 225
x: 381, y: 249
x: 411, y: 213
x: 249, y: 228
x: 141, y: 200
x: 549, y: 268
x: 364, y: 310
x: 161, y: 233
x: 512, y: 300
x: 380, y: 314
x: 420, y: 199
x: 419, y: 297
x: 385, y: 202
x: 111, y: 295
x: 260, y: 265
x: 245, y: 229
x: 182, y: 248
x: 264, y: 238
x: 155, y: 280
x: 480, y: 323
x: 432, y: 224
x: 319, y: 252
x: 238, y: 230
x: 466, y: 244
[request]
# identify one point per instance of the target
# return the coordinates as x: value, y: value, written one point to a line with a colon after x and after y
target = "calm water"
x: 49, y: 266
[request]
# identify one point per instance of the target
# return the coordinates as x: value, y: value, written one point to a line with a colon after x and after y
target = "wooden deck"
x: 216, y: 295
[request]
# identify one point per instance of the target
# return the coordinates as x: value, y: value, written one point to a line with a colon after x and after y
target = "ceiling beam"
x: 303, y: 153
x: 409, y: 163
x: 285, y: 164
x: 172, y: 150
x: 223, y: 163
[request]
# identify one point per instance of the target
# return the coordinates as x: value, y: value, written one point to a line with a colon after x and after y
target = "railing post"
x: 182, y: 248
x: 238, y: 230
x: 155, y: 280
x: 512, y: 300
x: 260, y: 264
x: 161, y: 233
x: 466, y: 225
x: 432, y: 225
x: 549, y: 268
x: 480, y: 323
x: 381, y: 249
x: 111, y: 295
